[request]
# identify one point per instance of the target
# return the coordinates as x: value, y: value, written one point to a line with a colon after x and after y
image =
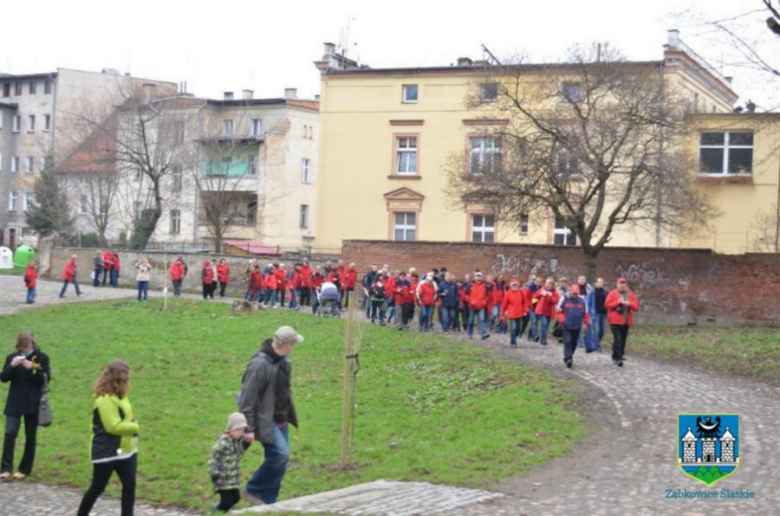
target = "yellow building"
x: 387, y: 134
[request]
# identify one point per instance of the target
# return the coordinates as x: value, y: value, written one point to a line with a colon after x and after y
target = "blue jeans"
x: 176, y: 288
x: 295, y: 294
x: 425, y: 316
x: 533, y: 329
x: 599, y: 326
x: 143, y: 290
x: 31, y: 295
x: 545, y: 321
x: 448, y: 315
x: 481, y: 313
x: 114, y: 278
x: 267, y: 480
x: 270, y: 295
x: 96, y: 279
x: 65, y: 287
x: 494, y: 313
x: 515, y: 326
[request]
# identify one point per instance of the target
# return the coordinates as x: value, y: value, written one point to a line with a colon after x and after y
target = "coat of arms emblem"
x: 708, y: 445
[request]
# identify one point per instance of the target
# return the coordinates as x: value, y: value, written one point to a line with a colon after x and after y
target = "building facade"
x: 388, y: 134
x: 32, y: 110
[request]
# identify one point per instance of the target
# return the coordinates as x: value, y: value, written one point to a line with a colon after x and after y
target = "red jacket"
x: 255, y: 281
x: 107, y: 260
x: 271, y: 282
x: 177, y: 271
x: 496, y: 295
x: 69, y: 271
x: 400, y: 291
x: 427, y: 294
x: 31, y: 277
x: 612, y: 302
x: 464, y: 298
x: 115, y: 263
x: 316, y: 280
x: 281, y: 278
x: 390, y: 286
x: 208, y: 274
x: 411, y: 297
x: 478, y: 296
x: 349, y: 279
x: 306, y: 273
x: 546, y: 304
x: 223, y: 272
x: 514, y: 304
x: 295, y: 281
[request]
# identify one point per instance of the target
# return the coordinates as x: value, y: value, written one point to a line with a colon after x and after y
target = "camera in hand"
x: 621, y: 309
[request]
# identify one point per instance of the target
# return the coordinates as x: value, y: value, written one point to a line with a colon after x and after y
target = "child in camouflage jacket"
x: 223, y: 465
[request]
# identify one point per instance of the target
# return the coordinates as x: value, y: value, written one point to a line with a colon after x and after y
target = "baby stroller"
x: 328, y: 303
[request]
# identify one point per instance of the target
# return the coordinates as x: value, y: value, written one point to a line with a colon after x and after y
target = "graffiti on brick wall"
x: 647, y: 274
x: 522, y: 266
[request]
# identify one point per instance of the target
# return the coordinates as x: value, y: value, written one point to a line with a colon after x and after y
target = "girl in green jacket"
x: 114, y: 438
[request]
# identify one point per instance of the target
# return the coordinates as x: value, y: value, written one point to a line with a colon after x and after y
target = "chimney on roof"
x: 330, y: 49
x: 228, y: 95
x: 317, y: 98
x: 290, y: 93
x: 673, y: 39
x: 149, y: 91
x: 464, y: 61
x: 247, y: 94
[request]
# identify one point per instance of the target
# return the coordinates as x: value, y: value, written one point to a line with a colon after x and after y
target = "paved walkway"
x: 624, y: 468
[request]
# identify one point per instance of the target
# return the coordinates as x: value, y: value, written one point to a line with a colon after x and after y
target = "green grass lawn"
x: 750, y: 352
x: 428, y: 408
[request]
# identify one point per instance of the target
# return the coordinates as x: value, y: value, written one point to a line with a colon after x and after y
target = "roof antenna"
x: 491, y: 58
x: 344, y: 38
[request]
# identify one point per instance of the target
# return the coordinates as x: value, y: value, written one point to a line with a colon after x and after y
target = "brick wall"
x: 675, y: 286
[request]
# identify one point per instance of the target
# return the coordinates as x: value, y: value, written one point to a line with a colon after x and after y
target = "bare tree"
x: 596, y: 143
x: 767, y: 228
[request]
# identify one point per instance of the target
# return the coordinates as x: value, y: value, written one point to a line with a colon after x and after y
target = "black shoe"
x: 514, y: 345
x: 543, y: 343
x: 568, y: 363
x: 486, y: 336
x: 620, y: 363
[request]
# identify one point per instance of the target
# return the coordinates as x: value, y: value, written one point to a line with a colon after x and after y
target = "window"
x: 43, y: 163
x: 305, y: 171
x: 47, y: 87
x: 47, y: 122
x: 175, y: 222
x: 33, y: 87
x: 17, y: 124
x: 18, y: 88
x: 489, y: 92
x: 15, y: 164
x: 404, y: 226
x: 311, y: 132
x: 177, y: 178
x: 410, y: 93
x: 406, y: 155
x: 304, y: 216
x: 306, y: 132
x: 30, y: 164
x: 7, y: 89
x: 726, y: 153
x: 31, y: 123
x: 83, y: 204
x: 253, y: 165
x: 485, y: 155
x: 28, y: 200
x: 566, y: 164
x: 523, y: 224
x: 483, y: 228
x: 563, y: 235
x: 257, y: 127
x: 572, y: 91
x: 178, y: 133
x: 227, y: 128
x: 13, y: 198
x: 251, y: 212
x: 139, y: 174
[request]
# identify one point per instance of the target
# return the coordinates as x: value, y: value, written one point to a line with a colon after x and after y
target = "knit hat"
x: 236, y: 421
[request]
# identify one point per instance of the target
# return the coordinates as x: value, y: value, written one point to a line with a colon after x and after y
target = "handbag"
x: 44, y: 409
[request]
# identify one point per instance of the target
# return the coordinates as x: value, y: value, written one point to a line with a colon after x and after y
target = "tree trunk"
x: 144, y: 228
x: 218, y: 244
x: 589, y: 260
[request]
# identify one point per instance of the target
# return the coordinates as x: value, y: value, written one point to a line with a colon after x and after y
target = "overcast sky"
x: 230, y: 45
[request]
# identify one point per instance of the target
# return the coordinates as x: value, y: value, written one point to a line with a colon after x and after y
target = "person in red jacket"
x: 477, y: 294
x: 70, y: 275
x: 348, y: 282
x: 31, y: 280
x: 306, y: 273
x: 546, y: 301
x: 281, y: 282
x: 294, y: 286
x: 107, y: 255
x: 209, y: 281
x: 426, y: 295
x: 621, y: 304
x: 497, y: 289
x: 223, y: 275
x: 177, y: 272
x: 514, y: 309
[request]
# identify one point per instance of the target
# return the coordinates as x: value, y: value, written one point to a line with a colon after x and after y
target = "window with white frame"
x: 47, y: 87
x: 410, y: 93
x: 257, y: 127
x: 83, y: 204
x: 523, y: 224
x: 485, y: 155
x: 227, y: 128
x: 47, y: 122
x: 483, y: 228
x: 566, y: 164
x: 305, y: 132
x: 7, y: 89
x: 18, y: 88
x: 14, y: 163
x: 305, y: 171
x: 17, y: 123
x: 31, y: 123
x: 404, y: 226
x: 562, y: 235
x: 726, y: 153
x: 13, y: 199
x: 30, y: 164
x: 406, y: 155
x: 489, y: 92
x: 179, y: 132
x: 28, y: 200
x: 177, y: 178
x: 175, y: 222
x: 304, y: 222
x: 33, y: 87
x: 43, y: 163
x: 572, y: 91
x: 253, y: 164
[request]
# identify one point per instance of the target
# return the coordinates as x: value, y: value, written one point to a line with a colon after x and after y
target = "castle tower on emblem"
x: 727, y: 446
x: 689, y: 446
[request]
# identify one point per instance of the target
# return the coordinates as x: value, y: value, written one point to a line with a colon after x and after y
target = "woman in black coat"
x: 25, y: 369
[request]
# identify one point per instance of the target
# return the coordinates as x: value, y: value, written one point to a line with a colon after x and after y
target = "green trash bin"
x: 23, y: 255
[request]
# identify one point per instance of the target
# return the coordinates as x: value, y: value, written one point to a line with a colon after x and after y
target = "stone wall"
x: 675, y: 286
